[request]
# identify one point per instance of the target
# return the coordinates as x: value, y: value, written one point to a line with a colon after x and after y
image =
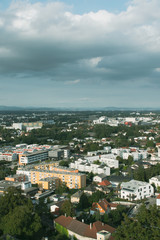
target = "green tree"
x: 17, y: 216
x: 130, y: 160
x: 11, y: 199
x: 21, y: 222
x: 83, y: 203
x: 64, y: 163
x: 67, y: 208
x: 150, y: 144
x: 146, y: 225
x: 96, y: 196
x: 62, y: 188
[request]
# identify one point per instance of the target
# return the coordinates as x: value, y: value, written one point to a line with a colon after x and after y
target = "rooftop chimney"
x: 90, y: 225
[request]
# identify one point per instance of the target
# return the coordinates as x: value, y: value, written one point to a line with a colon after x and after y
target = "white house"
x: 136, y: 190
x: 99, y: 178
x: 158, y: 200
x: 155, y: 180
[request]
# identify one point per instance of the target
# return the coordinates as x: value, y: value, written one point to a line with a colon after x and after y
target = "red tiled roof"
x: 158, y: 197
x: 104, y: 183
x: 64, y: 221
x: 98, y: 226
x: 104, y: 204
x: 113, y: 204
x: 83, y: 229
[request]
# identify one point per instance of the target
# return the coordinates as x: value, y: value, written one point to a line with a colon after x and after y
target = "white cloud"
x: 157, y: 69
x: 72, y: 82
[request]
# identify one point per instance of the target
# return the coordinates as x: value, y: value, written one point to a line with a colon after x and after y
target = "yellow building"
x: 48, y: 183
x: 47, y: 166
x: 73, y: 180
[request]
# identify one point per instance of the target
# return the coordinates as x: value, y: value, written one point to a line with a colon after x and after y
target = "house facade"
x: 155, y: 180
x: 136, y: 190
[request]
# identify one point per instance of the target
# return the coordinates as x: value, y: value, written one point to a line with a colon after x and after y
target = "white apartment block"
x: 112, y: 163
x: 98, y: 152
x: 101, y: 120
x: 136, y: 190
x: 108, y: 159
x: 17, y: 126
x: 83, y: 166
x: 66, y: 153
x: 8, y: 156
x: 155, y: 180
x: 137, y: 155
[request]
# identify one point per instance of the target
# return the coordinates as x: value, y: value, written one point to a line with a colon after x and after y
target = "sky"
x: 80, y: 53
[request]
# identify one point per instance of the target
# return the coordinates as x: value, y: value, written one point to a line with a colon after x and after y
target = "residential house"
x: 90, y: 189
x: 155, y: 180
x: 99, y: 177
x: 105, y: 183
x: 103, y: 206
x: 75, y: 198
x: 55, y: 207
x: 136, y: 190
x: 117, y: 180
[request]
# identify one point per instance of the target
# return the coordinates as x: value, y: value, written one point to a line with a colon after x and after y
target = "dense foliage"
x: 17, y: 216
x: 142, y: 174
x: 146, y: 225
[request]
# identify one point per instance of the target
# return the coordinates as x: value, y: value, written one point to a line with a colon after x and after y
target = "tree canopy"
x: 146, y: 225
x: 17, y: 216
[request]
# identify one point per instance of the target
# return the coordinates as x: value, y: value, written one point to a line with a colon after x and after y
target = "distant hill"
x: 15, y: 108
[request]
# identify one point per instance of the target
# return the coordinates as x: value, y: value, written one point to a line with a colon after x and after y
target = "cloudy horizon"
x: 63, y: 54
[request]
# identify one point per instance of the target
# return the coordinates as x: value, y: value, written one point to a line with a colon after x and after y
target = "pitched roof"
x: 77, y: 194
x: 64, y: 221
x: 102, y: 175
x: 81, y: 228
x: 104, y: 204
x: 90, y: 188
x: 104, y: 183
x: 78, y: 227
x: 98, y: 226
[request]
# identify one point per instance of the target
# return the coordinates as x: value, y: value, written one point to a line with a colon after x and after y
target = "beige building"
x: 75, y: 198
x: 48, y: 183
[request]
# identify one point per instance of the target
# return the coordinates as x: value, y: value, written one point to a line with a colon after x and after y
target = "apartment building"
x: 8, y: 156
x: 136, y: 190
x: 48, y: 183
x: 112, y: 163
x: 27, y: 126
x: 27, y: 158
x: 26, y: 172
x: 73, y: 180
x: 16, y: 178
x: 46, y: 166
x: 83, y: 166
x: 108, y: 159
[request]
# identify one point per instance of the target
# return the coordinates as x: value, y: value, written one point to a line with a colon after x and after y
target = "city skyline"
x: 80, y: 53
